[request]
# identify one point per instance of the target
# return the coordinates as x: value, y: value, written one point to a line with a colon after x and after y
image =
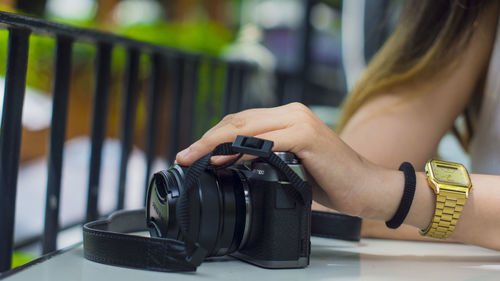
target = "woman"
x: 425, y: 76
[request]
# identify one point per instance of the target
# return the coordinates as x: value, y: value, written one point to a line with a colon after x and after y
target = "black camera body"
x: 245, y: 212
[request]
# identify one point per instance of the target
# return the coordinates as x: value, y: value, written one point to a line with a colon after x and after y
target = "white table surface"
x: 371, y: 259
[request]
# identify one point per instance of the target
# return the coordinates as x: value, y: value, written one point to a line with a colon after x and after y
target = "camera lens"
x: 225, y: 208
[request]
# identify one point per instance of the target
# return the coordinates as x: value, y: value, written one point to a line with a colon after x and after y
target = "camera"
x: 244, y: 212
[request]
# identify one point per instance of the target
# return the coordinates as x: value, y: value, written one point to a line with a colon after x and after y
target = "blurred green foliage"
x: 39, y: 60
x: 336, y: 4
x: 200, y: 37
x: 209, y: 96
x: 20, y: 258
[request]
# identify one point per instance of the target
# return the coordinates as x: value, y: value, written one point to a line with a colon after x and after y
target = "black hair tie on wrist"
x: 407, y: 199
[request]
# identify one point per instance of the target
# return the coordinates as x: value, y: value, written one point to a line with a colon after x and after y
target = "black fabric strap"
x: 108, y: 242
x: 105, y: 241
x: 407, y: 199
x: 299, y: 189
x: 335, y: 225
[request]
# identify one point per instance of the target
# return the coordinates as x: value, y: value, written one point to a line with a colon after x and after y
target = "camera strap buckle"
x: 252, y: 146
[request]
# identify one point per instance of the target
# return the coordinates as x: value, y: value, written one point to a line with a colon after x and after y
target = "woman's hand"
x: 341, y: 177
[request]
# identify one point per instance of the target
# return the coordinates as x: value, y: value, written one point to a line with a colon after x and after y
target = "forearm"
x: 479, y: 223
x: 345, y: 180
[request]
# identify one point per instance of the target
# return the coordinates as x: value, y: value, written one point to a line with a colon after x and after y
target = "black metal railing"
x: 183, y: 72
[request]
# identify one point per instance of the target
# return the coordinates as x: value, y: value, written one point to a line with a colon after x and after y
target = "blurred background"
x: 307, y: 50
x: 310, y: 51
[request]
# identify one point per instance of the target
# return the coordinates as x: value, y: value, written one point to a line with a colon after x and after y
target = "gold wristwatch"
x: 451, y: 183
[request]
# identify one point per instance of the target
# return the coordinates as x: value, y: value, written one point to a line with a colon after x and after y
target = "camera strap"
x: 106, y: 241
x: 111, y: 241
x: 187, y: 205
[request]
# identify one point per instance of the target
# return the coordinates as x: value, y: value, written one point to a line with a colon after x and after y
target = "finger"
x: 276, y: 117
x: 280, y: 139
x: 255, y: 120
x: 250, y: 123
x: 222, y: 159
x: 283, y: 140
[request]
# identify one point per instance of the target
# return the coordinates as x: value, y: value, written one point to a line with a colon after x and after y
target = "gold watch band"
x: 449, y: 206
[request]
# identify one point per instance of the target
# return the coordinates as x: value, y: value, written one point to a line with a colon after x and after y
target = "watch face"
x: 450, y: 173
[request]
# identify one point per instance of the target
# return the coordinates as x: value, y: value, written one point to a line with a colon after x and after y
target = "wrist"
x: 383, y: 196
x: 382, y: 191
x: 422, y: 209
